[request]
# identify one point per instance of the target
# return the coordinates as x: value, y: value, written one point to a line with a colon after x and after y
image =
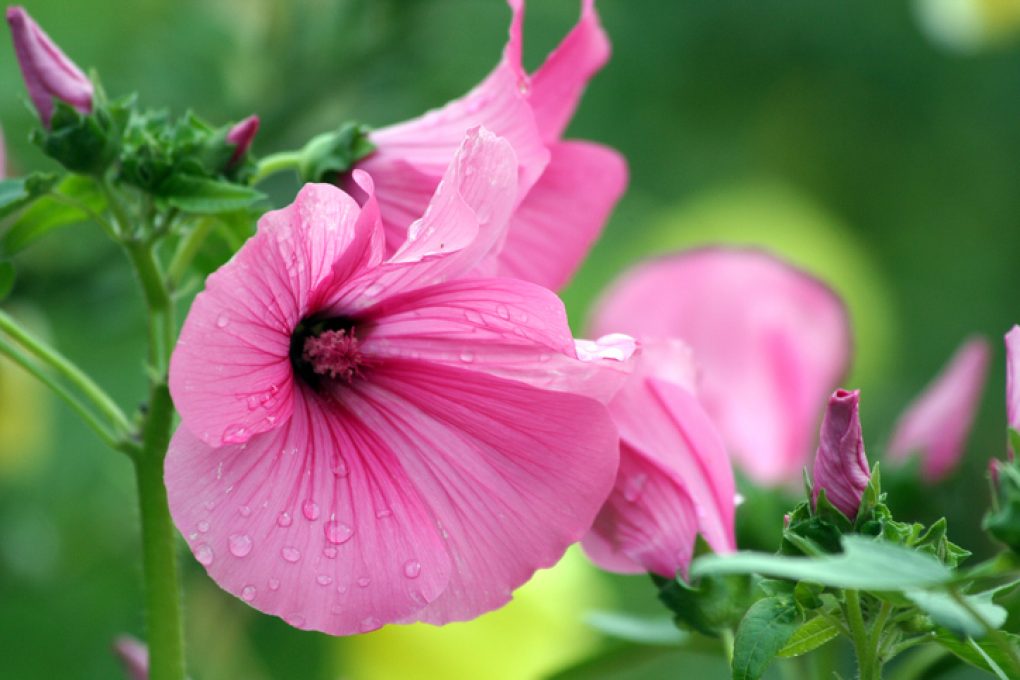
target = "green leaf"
x: 865, y: 564
x: 715, y: 604
x: 18, y: 192
x: 810, y: 636
x: 207, y: 196
x: 330, y: 153
x: 985, y: 654
x: 648, y: 631
x: 764, y: 630
x: 49, y: 213
x: 6, y: 278
x: 947, y: 612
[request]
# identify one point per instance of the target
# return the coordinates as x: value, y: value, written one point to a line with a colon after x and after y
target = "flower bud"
x: 241, y: 136
x: 133, y: 656
x: 47, y: 71
x: 1013, y: 378
x: 841, y: 468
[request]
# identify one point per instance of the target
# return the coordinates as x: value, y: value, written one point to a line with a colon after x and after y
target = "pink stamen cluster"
x: 334, y: 353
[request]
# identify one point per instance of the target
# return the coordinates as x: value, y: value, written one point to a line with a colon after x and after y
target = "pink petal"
x: 3, y: 155
x: 317, y: 522
x: 504, y: 327
x: 230, y: 375
x: 513, y: 474
x: 841, y: 466
x: 563, y: 214
x: 1013, y: 378
x: 558, y: 84
x: 133, y: 656
x: 241, y: 136
x: 466, y: 219
x: 662, y: 423
x: 648, y: 524
x: 937, y: 422
x: 772, y: 342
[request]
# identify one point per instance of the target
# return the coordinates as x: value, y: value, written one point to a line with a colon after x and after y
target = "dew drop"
x: 474, y: 317
x: 384, y: 513
x: 274, y: 584
x: 467, y: 357
x: 209, y: 505
x: 240, y: 545
x: 523, y: 86
x: 341, y: 589
x: 222, y: 320
x: 503, y: 312
x: 330, y: 552
x: 245, y: 511
x: 235, y: 434
x: 412, y: 568
x: 634, y: 487
x: 204, y: 554
x: 337, y: 532
x: 284, y: 520
x: 364, y: 581
x: 369, y: 624
x: 248, y: 593
x: 310, y: 510
x: 339, y: 466
x: 295, y: 620
x: 291, y: 554
x: 253, y: 403
x: 323, y: 579
x: 203, y: 526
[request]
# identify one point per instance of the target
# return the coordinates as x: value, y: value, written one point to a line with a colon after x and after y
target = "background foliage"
x: 841, y: 134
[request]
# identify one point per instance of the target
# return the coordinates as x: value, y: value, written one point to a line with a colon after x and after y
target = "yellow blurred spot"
x: 539, y: 632
x: 785, y: 222
x: 25, y: 419
x: 968, y: 25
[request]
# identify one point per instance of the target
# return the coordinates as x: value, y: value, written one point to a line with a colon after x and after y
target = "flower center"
x: 326, y: 349
x: 334, y: 353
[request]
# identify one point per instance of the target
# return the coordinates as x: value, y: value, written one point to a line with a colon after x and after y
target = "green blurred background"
x: 876, y: 143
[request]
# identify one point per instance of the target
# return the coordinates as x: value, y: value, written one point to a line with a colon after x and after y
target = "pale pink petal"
x: 503, y: 327
x: 3, y: 155
x: 772, y: 342
x: 513, y: 474
x: 841, y: 466
x: 563, y: 214
x: 558, y: 84
x: 411, y: 157
x: 466, y: 219
x: 133, y: 656
x: 230, y: 375
x: 648, y: 524
x: 1013, y: 378
x: 317, y: 522
x: 937, y: 422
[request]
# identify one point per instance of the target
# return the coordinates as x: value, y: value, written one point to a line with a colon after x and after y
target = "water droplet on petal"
x: 291, y: 554
x: 634, y: 487
x: 248, y: 593
x: 369, y: 624
x: 412, y: 568
x: 310, y: 510
x: 339, y: 466
x: 295, y: 620
x: 337, y: 532
x: 209, y: 505
x: 503, y: 312
x: 323, y: 579
x: 284, y: 520
x: 253, y: 403
x: 364, y: 581
x: 467, y: 357
x: 384, y: 513
x: 222, y: 320
x: 235, y: 434
x: 330, y: 552
x: 203, y: 526
x: 240, y: 545
x: 245, y: 511
x: 204, y: 554
x: 274, y: 584
x: 474, y: 317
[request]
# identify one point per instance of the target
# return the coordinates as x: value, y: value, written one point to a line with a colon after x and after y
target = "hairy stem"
x: 867, y: 666
x: 274, y: 163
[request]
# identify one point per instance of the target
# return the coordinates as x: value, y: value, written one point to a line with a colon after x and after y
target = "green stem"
x: 877, y: 628
x: 188, y: 249
x: 727, y: 641
x: 274, y: 163
x: 157, y: 299
x: 867, y: 668
x: 74, y: 375
x: 162, y: 582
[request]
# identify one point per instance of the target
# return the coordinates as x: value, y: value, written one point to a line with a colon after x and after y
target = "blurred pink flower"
x: 241, y: 136
x: 936, y: 424
x: 1013, y: 378
x: 841, y: 467
x: 47, y: 71
x: 369, y: 440
x: 771, y: 342
x: 568, y: 188
x: 675, y: 479
x: 3, y: 155
x: 134, y: 657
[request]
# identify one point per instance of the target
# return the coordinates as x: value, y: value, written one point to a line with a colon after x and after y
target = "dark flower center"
x: 326, y: 349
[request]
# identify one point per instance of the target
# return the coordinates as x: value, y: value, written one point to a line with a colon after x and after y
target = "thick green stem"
x: 188, y: 249
x: 867, y: 666
x: 56, y: 362
x: 277, y: 162
x: 162, y: 582
x: 157, y: 299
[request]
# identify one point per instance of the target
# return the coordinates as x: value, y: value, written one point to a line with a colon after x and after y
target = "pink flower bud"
x: 241, y: 136
x: 993, y: 470
x: 841, y: 468
x: 133, y: 656
x: 3, y: 156
x: 48, y: 72
x: 1013, y: 378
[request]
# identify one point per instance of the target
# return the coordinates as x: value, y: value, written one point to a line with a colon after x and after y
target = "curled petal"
x: 937, y: 422
x: 1013, y: 378
x: 841, y: 467
x: 771, y: 340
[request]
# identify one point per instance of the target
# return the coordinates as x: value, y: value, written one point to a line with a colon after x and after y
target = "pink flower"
x: 47, y: 71
x: 568, y: 187
x: 1013, y: 378
x: 3, y: 155
x: 369, y: 440
x: 937, y: 422
x: 241, y: 136
x: 675, y: 479
x: 772, y: 343
x: 841, y: 467
x: 134, y: 657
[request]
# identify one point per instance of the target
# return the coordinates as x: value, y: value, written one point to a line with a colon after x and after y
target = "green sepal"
x: 203, y: 196
x: 763, y: 631
x: 713, y: 605
x: 1003, y: 520
x: 331, y: 153
x: 85, y: 143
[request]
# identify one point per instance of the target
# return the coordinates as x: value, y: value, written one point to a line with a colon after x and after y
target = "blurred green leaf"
x: 984, y: 654
x: 49, y: 213
x: 639, y: 629
x: 763, y: 631
x: 811, y: 635
x: 947, y: 612
x: 6, y: 278
x: 208, y: 196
